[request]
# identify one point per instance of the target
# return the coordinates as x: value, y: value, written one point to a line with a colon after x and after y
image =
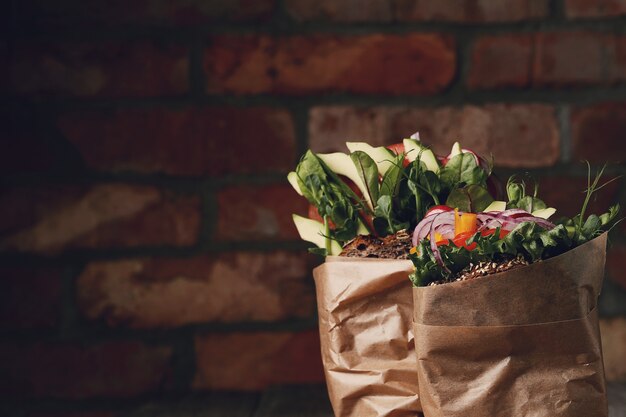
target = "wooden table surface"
x: 287, y: 401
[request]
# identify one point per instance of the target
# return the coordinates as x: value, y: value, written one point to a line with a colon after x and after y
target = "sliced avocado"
x: 544, y: 213
x: 313, y: 231
x: 414, y: 149
x: 456, y: 150
x: 496, y: 206
x: 292, y: 177
x: 362, y: 229
x: 381, y: 155
x: 341, y: 164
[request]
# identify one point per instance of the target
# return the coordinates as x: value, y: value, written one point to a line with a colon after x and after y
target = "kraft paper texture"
x: 524, y: 342
x: 365, y: 312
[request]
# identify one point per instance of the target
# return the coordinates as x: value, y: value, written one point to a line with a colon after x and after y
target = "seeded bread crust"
x: 390, y: 247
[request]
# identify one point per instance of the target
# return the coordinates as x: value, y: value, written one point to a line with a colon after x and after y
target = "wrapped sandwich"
x: 363, y: 206
x: 505, y: 309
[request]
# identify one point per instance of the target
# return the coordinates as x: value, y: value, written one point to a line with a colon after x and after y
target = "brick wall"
x: 145, y: 236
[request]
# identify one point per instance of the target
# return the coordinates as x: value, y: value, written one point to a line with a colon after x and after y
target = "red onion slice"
x: 423, y: 227
x: 443, y: 223
x: 509, y: 219
x: 433, y: 244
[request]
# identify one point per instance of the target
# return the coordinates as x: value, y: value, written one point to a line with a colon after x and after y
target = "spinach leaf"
x: 368, y: 172
x: 462, y: 170
x: 390, y: 183
x: 530, y: 204
x: 430, y: 183
x: 311, y: 175
x: 384, y: 222
x: 334, y: 200
x: 472, y: 198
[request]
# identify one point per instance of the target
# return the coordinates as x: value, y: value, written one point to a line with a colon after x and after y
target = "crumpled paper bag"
x: 365, y: 312
x: 524, y: 342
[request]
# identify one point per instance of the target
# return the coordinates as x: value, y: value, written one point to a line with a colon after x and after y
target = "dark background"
x: 146, y: 242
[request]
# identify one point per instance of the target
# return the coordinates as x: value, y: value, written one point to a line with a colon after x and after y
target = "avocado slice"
x: 313, y: 231
x: 496, y: 206
x: 414, y: 149
x: 341, y: 164
x: 544, y: 213
x: 382, y: 156
x: 456, y: 150
x: 362, y: 229
x: 292, y: 177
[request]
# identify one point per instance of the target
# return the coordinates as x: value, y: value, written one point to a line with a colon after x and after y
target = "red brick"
x: 192, y: 141
x: 517, y: 135
x: 230, y: 287
x: 569, y: 58
x: 111, y: 69
x: 262, y: 212
x: 76, y: 13
x: 567, y: 195
x: 341, y: 11
x: 614, y: 348
x: 253, y: 361
x: 414, y: 10
x: 617, y: 60
x: 594, y: 8
x: 501, y: 61
x: 65, y: 370
x: 598, y: 133
x: 31, y: 297
x: 553, y: 59
x: 371, y: 64
x: 51, y: 219
x: 616, y: 264
x: 470, y: 11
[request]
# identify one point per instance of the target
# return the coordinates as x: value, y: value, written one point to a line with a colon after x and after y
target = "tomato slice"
x: 490, y: 232
x: 351, y: 185
x: 460, y: 240
x: 398, y: 149
x: 315, y: 215
x: 440, y: 208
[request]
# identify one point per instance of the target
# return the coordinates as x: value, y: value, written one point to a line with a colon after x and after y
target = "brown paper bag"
x: 365, y: 311
x: 524, y: 342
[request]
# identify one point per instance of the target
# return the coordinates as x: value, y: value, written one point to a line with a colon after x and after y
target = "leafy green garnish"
x: 463, y: 170
x: 516, y: 192
x: 334, y: 200
x: 471, y: 198
x: 527, y: 239
x: 368, y: 172
x: 583, y: 229
x: 390, y: 182
x: 400, y: 198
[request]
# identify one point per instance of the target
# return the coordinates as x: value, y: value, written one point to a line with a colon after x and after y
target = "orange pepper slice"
x: 464, y: 223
